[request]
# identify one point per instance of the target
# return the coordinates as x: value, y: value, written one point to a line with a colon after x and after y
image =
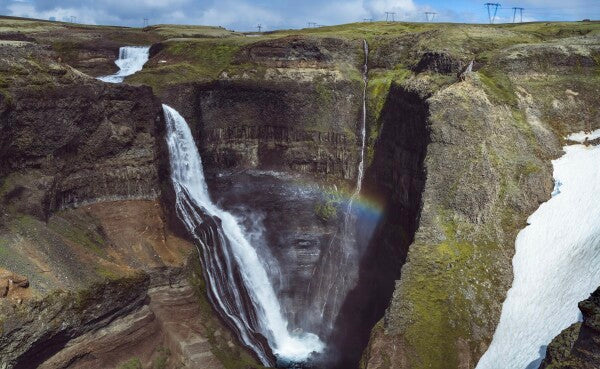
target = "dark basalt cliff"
x: 578, y: 347
x: 71, y: 140
x: 90, y: 274
x: 453, y: 168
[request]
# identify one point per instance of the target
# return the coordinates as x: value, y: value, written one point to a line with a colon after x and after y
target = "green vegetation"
x: 160, y: 362
x: 79, y: 231
x: 4, y: 244
x: 133, y: 363
x: 498, y: 87
x: 378, y: 87
x: 189, y: 60
x: 450, y: 300
x: 326, y: 211
x: 186, y: 31
x: 107, y: 273
x: 327, y: 208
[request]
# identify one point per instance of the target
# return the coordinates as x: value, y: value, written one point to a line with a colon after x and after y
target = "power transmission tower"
x: 311, y: 24
x: 432, y: 14
x: 73, y: 19
x: 367, y: 19
x: 145, y: 22
x: 389, y: 15
x: 515, y: 13
x: 259, y: 27
x: 495, y: 6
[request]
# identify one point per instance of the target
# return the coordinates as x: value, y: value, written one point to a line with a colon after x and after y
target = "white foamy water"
x: 188, y: 178
x: 131, y: 60
x: 556, y: 264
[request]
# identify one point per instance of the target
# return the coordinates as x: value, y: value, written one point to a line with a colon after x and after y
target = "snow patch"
x: 556, y: 264
x: 581, y: 136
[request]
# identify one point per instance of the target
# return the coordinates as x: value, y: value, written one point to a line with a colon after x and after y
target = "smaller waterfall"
x: 131, y: 60
x: 239, y: 286
x: 556, y: 264
x: 337, y: 271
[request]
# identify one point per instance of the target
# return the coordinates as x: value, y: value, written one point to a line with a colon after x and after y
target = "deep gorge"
x: 92, y: 237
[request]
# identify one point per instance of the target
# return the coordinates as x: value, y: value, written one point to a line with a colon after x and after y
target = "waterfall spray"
x: 240, y: 289
x: 337, y: 272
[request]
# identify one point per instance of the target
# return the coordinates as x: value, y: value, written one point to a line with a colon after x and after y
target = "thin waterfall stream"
x: 337, y: 272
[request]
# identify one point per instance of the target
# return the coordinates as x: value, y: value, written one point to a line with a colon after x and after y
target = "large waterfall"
x: 131, y: 60
x: 556, y: 264
x: 337, y: 271
x: 239, y: 286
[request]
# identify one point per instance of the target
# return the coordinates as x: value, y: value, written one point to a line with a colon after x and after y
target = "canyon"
x: 376, y: 188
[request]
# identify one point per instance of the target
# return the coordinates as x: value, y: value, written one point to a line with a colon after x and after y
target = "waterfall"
x: 131, y: 60
x: 556, y: 264
x: 337, y: 271
x: 239, y: 287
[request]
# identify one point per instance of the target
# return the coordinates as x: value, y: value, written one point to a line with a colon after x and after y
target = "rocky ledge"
x: 578, y: 347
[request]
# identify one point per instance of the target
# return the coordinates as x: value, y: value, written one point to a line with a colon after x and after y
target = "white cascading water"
x: 131, y: 60
x: 556, y: 264
x: 237, y: 261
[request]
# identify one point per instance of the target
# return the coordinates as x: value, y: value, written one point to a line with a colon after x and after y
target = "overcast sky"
x: 244, y: 15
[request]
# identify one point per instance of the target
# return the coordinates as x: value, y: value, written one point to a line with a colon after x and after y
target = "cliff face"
x: 277, y: 133
x: 578, y: 346
x: 91, y: 275
x: 457, y: 165
x: 69, y: 140
x: 487, y: 168
x: 454, y: 167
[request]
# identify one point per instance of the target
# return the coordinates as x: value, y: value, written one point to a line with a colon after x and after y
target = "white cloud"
x: 239, y: 14
x: 379, y: 7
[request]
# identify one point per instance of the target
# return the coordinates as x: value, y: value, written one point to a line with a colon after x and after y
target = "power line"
x: 432, y: 14
x: 495, y: 6
x: 515, y: 8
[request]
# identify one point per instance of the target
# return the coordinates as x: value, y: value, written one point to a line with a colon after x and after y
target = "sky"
x: 245, y: 15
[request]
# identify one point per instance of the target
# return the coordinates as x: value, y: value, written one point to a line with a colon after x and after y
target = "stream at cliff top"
x: 556, y: 264
x: 131, y: 60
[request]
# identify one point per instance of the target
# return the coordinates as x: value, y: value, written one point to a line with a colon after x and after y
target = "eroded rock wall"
x: 69, y: 140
